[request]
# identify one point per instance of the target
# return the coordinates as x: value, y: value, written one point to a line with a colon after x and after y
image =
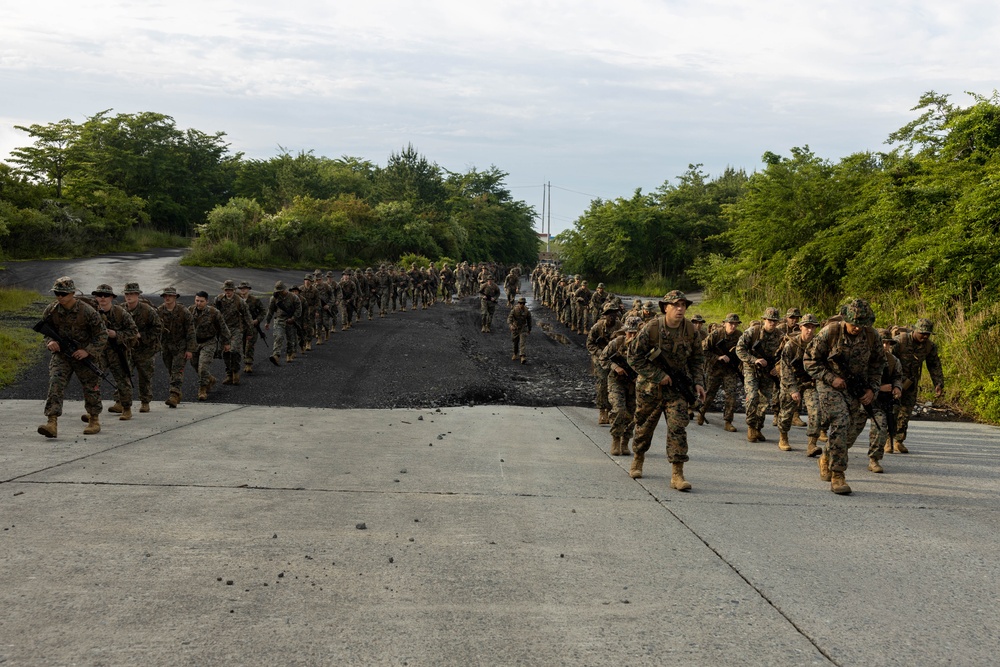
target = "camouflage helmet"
x: 632, y: 324
x: 733, y: 318
x: 857, y: 312
x: 279, y: 286
x: 522, y: 300
x: 673, y: 296
x: 698, y: 319
x: 132, y: 288
x: 771, y: 314
x: 809, y: 320
x: 609, y: 307
x: 64, y: 285
x: 600, y: 285
x: 329, y: 274
x: 924, y: 326
x: 308, y: 277
x: 244, y: 284
x: 793, y: 312
x: 104, y: 289
x: 228, y: 284
x: 169, y: 291
x: 648, y: 311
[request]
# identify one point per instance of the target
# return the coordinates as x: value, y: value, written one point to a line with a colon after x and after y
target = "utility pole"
x: 548, y: 236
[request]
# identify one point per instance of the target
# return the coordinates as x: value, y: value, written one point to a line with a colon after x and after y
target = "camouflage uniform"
x: 510, y: 287
x: 912, y: 356
x: 383, y: 290
x: 597, y: 339
x: 724, y: 375
x: 759, y: 383
x: 81, y: 324
x: 283, y: 310
x: 519, y: 321
x: 679, y: 349
x: 795, y: 379
x: 236, y: 313
x: 117, y: 353
x: 147, y: 322
x: 256, y: 309
x: 882, y: 406
x: 349, y: 306
x: 597, y: 301
x: 621, y: 391
x: 176, y: 341
x: 209, y: 330
x: 488, y: 295
x: 325, y: 299
x: 311, y: 305
x: 835, y: 354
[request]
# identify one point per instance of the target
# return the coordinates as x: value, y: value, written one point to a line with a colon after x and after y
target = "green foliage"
x: 19, y: 345
x: 409, y: 259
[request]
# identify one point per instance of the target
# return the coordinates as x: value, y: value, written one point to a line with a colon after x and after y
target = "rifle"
x: 721, y: 350
x: 122, y: 359
x: 771, y: 361
x: 856, y: 386
x: 260, y: 332
x: 68, y: 347
x: 680, y: 382
x: 620, y: 360
x: 888, y: 403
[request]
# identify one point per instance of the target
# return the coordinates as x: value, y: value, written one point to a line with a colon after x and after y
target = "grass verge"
x: 20, y: 347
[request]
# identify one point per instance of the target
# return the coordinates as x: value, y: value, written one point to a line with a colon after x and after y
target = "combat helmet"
x: 857, y: 312
x: 228, y: 284
x: 771, y: 314
x: 673, y: 296
x: 104, y: 289
x: 132, y: 288
x: 632, y: 323
x: 64, y: 285
x: 924, y: 326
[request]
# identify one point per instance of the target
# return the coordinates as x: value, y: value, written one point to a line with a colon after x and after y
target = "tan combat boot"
x: 823, y: 437
x: 635, y: 472
x: 513, y: 357
x: 838, y: 484
x: 524, y: 359
x: 874, y: 465
x: 211, y: 382
x: 116, y: 408
x: 319, y: 340
x: 700, y: 418
x: 48, y: 429
x: 602, y: 418
x: 677, y: 480
x: 247, y: 369
x: 824, y: 467
x: 202, y: 393
x: 797, y: 421
x: 729, y: 427
x: 308, y: 346
x: 624, y: 450
x: 812, y: 449
x: 616, y: 446
x: 126, y: 414
x: 144, y: 406
x: 94, y: 426
x: 888, y: 446
x: 900, y: 448
x: 783, y: 442
x: 229, y: 378
x: 751, y: 434
x: 236, y: 378
x: 289, y: 358
x: 174, y: 399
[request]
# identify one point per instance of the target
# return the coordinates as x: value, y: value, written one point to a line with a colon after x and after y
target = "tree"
x: 50, y: 159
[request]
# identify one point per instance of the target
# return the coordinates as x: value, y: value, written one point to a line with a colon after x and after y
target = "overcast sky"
x: 598, y: 97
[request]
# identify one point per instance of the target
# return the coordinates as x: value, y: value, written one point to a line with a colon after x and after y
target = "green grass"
x: 19, y: 345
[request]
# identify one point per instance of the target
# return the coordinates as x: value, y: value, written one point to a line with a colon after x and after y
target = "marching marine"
x: 519, y: 321
x: 209, y: 329
x: 913, y: 349
x: 177, y: 342
x: 122, y: 335
x: 150, y: 329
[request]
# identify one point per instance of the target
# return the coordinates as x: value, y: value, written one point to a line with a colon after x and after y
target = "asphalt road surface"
x: 424, y: 358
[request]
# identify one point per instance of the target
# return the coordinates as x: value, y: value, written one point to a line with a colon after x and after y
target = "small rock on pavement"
x: 361, y: 526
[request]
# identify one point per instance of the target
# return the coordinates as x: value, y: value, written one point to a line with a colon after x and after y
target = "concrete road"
x: 230, y: 534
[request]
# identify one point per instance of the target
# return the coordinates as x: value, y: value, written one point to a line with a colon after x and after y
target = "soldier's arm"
x: 636, y: 354
x: 224, y: 331
x: 934, y: 368
x: 743, y: 348
x: 98, y: 338
x: 788, y: 377
x: 696, y: 365
x: 128, y: 335
x: 876, y: 365
x: 815, y: 359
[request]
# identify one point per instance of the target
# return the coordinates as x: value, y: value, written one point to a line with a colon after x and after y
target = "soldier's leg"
x: 906, y: 404
x: 145, y: 364
x: 810, y: 398
x: 202, y: 363
x: 174, y: 362
x: 876, y: 438
x: 60, y: 371
x: 523, y: 344
x: 91, y: 384
x: 786, y: 408
x: 279, y: 340
x: 122, y: 379
x: 755, y: 406
x: 235, y: 360
x: 731, y: 387
x: 249, y: 347
x: 837, y: 411
x: 648, y: 408
x: 676, y: 410
x: 714, y: 384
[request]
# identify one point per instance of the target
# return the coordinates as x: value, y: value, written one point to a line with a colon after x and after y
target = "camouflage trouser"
x: 760, y: 390
x: 250, y: 346
x: 234, y: 357
x: 729, y: 381
x: 878, y: 434
x: 327, y: 319
x: 520, y: 340
x: 790, y: 408
x: 651, y: 401
x: 144, y: 362
x: 486, y: 311
x: 61, y: 369
x: 846, y: 418
x: 123, y: 376
x: 581, y: 317
x: 621, y: 395
x: 286, y: 338
x: 308, y: 331
x: 202, y: 361
x: 401, y: 297
x: 383, y: 302
x: 906, y: 404
x: 174, y: 361
x: 349, y: 312
x: 601, y: 387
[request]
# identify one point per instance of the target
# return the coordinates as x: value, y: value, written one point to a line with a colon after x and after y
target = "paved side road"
x: 228, y: 534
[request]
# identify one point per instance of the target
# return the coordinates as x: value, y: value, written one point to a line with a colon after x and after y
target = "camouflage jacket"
x: 715, y: 344
x: 519, y: 320
x: 178, y: 329
x: 912, y: 356
x: 600, y: 335
x: 679, y: 348
x: 597, y: 299
x: 256, y: 308
x: 289, y: 305
x: 310, y: 298
x: 209, y: 325
x: 616, y: 348
x: 147, y: 322
x: 235, y: 312
x: 833, y: 353
x: 794, y: 377
x: 511, y: 283
x: 81, y: 324
x: 489, y: 292
x: 118, y: 320
x: 755, y: 343
x: 348, y: 288
x: 893, y: 373
x: 325, y: 293
x: 582, y: 296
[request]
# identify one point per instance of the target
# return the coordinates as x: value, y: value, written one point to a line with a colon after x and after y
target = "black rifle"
x: 771, y: 361
x: 619, y: 359
x: 856, y: 386
x: 680, y: 382
x: 888, y: 403
x: 734, y: 362
x: 68, y: 347
x: 260, y: 331
x: 122, y: 355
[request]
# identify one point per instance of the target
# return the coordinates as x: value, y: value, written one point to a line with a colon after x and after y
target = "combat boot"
x: 602, y: 418
x: 635, y: 472
x: 513, y: 357
x: 48, y: 429
x: 319, y: 340
x: 783, y: 442
x: 624, y: 450
x: 824, y: 467
x: 900, y: 448
x: 174, y: 399
x: 751, y: 434
x: 797, y: 421
x: 274, y: 359
x: 308, y: 346
x: 93, y: 427
x: 823, y: 437
x: 729, y: 427
x: 812, y: 449
x: 236, y: 378
x: 211, y: 382
x: 677, y: 480
x: 126, y: 414
x: 874, y: 465
x: 144, y: 406
x: 888, y: 446
x: 524, y: 359
x: 116, y: 408
x: 229, y: 378
x: 616, y: 446
x: 760, y: 436
x: 203, y: 393
x: 774, y: 422
x: 838, y: 484
x: 247, y: 369
x: 289, y: 358
x: 700, y: 418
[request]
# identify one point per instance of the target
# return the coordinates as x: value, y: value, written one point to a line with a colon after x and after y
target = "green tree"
x: 49, y: 160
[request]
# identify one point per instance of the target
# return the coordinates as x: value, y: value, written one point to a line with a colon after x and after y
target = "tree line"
x: 93, y: 186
